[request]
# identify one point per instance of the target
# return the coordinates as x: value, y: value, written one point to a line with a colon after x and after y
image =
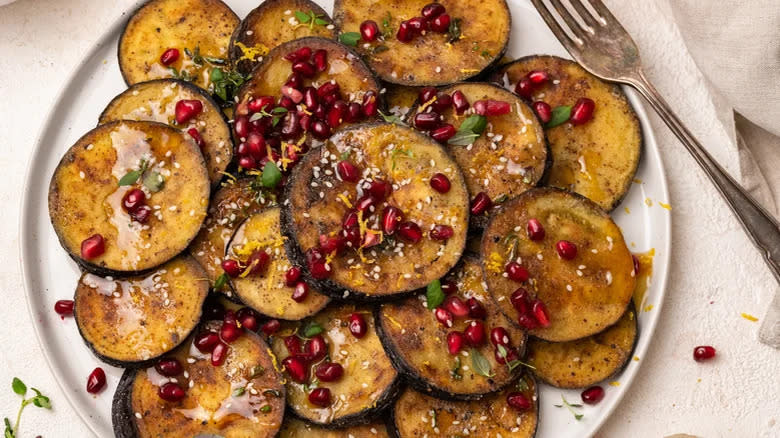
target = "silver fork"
x: 599, y: 43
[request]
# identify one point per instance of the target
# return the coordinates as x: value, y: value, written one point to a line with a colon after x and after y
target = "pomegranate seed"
x: 499, y: 336
x: 329, y: 371
x: 229, y: 332
x: 380, y: 189
x: 348, y: 172
x: 538, y: 77
x: 449, y: 287
x: 256, y: 146
x: 241, y: 126
x: 258, y: 262
x: 441, y: 24
x: 455, y: 342
x: 517, y: 273
x: 291, y: 276
x: 310, y: 98
x: 329, y: 89
x: 247, y: 318
x: 443, y: 316
x: 410, y: 232
x: 365, y: 203
x: 271, y: 326
x: 520, y: 301
x: 702, y: 353
x: 370, y: 107
x: 527, y: 322
x: 354, y: 111
x: 440, y: 183
x: 295, y: 95
x: 302, y: 54
x: 169, y: 56
x: 296, y: 369
x: 432, y: 10
x: 524, y: 88
x: 480, y: 203
x: 540, y: 313
x: 247, y: 163
x: 141, y: 214
x: 518, y: 401
x: 405, y: 32
x: 64, y: 307
x: 187, y: 109
x: 592, y: 395
x: 442, y: 103
x: 475, y: 333
x: 582, y: 111
x: 391, y: 217
x: 417, y: 24
x: 286, y: 103
x: 320, y: 397
x: 492, y: 107
x: 636, y: 264
x: 259, y: 104
x: 219, y: 354
x: 304, y: 68
x: 301, y: 292
x: 293, y: 345
x: 319, y: 270
x: 133, y: 199
x: 369, y: 31
x: 370, y: 239
x: 426, y: 121
x: 231, y: 267
x: 350, y: 220
x: 427, y: 93
x: 456, y: 306
x: 476, y: 310
x: 511, y: 355
x: 443, y: 133
x: 535, y: 229
x: 543, y: 111
x: 96, y: 380
x: 441, y: 232
x: 320, y: 59
x: 206, y: 341
x: 566, y: 250
x: 195, y: 134
x: 320, y: 130
x: 93, y: 246
x: 315, y: 349
x: 460, y: 102
x: 336, y: 114
x: 169, y: 367
x: 171, y: 392
x: 357, y: 325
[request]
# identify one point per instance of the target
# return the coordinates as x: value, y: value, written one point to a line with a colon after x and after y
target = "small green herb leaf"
x: 18, y: 386
x: 265, y: 409
x: 320, y: 22
x: 303, y: 17
x: 221, y: 281
x: 469, y: 130
x: 349, y: 38
x: 387, y: 30
x: 454, y: 32
x: 379, y: 49
x: 271, y: 175
x: 434, y: 294
x: 154, y: 181
x: 312, y: 329
x: 480, y: 364
x: 130, y: 178
x: 455, y: 371
x: 560, y: 115
x: 570, y: 407
x: 9, y: 431
x: 238, y: 392
x: 391, y: 118
x: 257, y: 370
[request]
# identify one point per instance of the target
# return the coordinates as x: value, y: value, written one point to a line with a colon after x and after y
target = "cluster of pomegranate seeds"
x: 170, y: 391
x: 518, y: 401
x: 532, y: 313
x: 592, y: 395
x: 581, y: 112
x: 169, y: 56
x: 433, y: 17
x: 96, y: 380
x: 233, y: 324
x: 64, y: 308
x: 292, y: 278
x: 93, y: 246
x: 703, y: 352
x: 255, y: 265
x: 187, y: 109
x: 134, y: 203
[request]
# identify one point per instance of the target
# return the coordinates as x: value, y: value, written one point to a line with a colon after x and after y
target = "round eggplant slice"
x: 266, y: 291
x: 295, y: 428
x: 369, y: 382
x: 417, y: 342
x: 87, y: 190
x: 199, y: 29
x: 391, y: 167
x: 156, y: 101
x: 231, y: 204
x: 275, y: 22
x: 419, y: 415
x: 583, y: 294
x: 133, y: 320
x: 241, y: 397
x: 477, y: 37
x: 597, y: 159
x: 400, y: 100
x: 585, y: 362
x: 509, y: 158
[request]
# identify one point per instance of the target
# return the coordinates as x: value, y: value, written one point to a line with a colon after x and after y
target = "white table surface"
x: 715, y: 275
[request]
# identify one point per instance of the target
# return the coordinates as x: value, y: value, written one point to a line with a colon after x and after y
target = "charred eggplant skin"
x: 122, y: 416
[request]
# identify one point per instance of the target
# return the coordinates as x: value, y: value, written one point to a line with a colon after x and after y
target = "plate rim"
x: 629, y: 374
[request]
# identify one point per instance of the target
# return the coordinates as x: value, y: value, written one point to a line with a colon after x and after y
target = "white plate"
x: 49, y: 275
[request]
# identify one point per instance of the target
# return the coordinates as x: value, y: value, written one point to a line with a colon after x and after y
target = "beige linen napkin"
x: 736, y: 44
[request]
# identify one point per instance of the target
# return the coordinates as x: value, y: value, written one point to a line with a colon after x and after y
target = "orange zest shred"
x: 749, y: 317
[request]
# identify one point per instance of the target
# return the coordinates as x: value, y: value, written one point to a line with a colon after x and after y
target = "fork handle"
x: 760, y: 226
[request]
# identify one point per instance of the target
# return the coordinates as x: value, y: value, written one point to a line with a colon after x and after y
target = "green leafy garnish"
x: 225, y: 83
x: 271, y: 175
x: 131, y: 177
x: 391, y: 118
x: 500, y: 199
x: 154, y: 181
x: 238, y: 392
x: 387, y: 30
x: 571, y: 407
x: 312, y: 329
x: 349, y: 38
x: 522, y: 385
x: 311, y: 18
x: 38, y: 400
x: 455, y: 371
x: 560, y: 115
x: 397, y: 152
x: 221, y: 281
x: 265, y: 409
x: 311, y: 385
x: 454, y: 32
x: 480, y: 364
x: 485, y: 54
x: 275, y: 115
x: 434, y: 294
x: 184, y: 75
x: 257, y: 370
x: 379, y: 49
x: 512, y: 364
x: 469, y: 130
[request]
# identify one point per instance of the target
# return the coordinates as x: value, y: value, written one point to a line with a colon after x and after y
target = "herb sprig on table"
x: 38, y: 400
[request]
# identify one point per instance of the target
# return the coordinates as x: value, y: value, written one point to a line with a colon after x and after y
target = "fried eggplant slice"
x: 362, y: 174
x: 199, y: 29
x: 369, y: 382
x: 400, y: 100
x: 156, y: 101
x: 583, y: 294
x: 597, y: 159
x: 236, y: 200
x: 295, y: 428
x: 275, y: 22
x: 417, y: 342
x: 417, y: 415
x: 267, y: 292
x: 87, y: 191
x: 242, y: 397
x: 588, y: 361
x: 477, y: 37
x: 137, y: 319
